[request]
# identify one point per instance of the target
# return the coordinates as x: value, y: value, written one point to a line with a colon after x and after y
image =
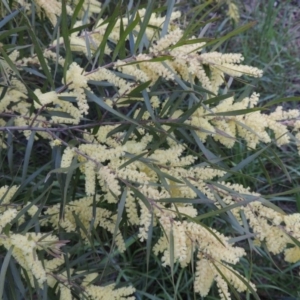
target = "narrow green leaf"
x: 8, y: 5
x: 220, y: 211
x: 27, y: 155
x: 140, y: 196
x: 186, y: 115
x: 132, y: 128
x: 155, y: 59
x: 8, y: 18
x: 197, y: 191
x: 281, y: 165
x: 171, y: 244
x: 265, y: 171
x: 122, y: 50
x: 149, y: 243
x: 76, y: 12
x: 133, y: 159
x: 163, y: 174
x: 34, y: 72
x: 123, y: 37
x: 39, y: 52
x: 63, y: 170
x: 121, y: 206
x: 10, y: 63
x: 197, y: 15
x: 65, y: 35
x: 39, y: 201
x: 149, y: 106
x: 101, y: 103
x: 248, y: 160
x: 170, y: 7
x: 136, y: 92
x: 236, y: 112
x: 289, y: 192
x: 211, y: 157
x: 231, y: 34
x: 141, y: 34
x: 281, y: 101
x: 79, y: 28
x: 17, y: 278
x: 111, y: 20
x: 218, y: 99
x: 81, y: 226
x: 10, y: 147
x: 4, y: 269
x: 68, y: 178
x: 185, y: 200
x: 11, y: 32
x: 88, y: 48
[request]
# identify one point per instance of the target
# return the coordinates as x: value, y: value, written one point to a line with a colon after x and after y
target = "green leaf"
x: 171, y: 243
x: 281, y: 101
x: 39, y: 201
x: 27, y: 155
x: 63, y: 170
x: 39, y: 52
x: 101, y: 103
x: 67, y: 181
x: 10, y: 63
x: 197, y: 16
x: 170, y: 7
x: 133, y: 159
x: 124, y: 36
x: 211, y: 157
x: 231, y: 34
x: 248, y: 160
x: 141, y: 37
x: 4, y: 269
x: 218, y: 99
x: 120, y: 210
x: 185, y: 200
x: 289, y: 192
x: 79, y: 28
x: 136, y: 92
x: 11, y: 32
x: 149, y: 107
x: 65, y: 35
x: 140, y: 196
x: 236, y: 112
x: 76, y: 12
x: 219, y: 211
x: 149, y: 243
x: 8, y: 18
x: 111, y: 20
x: 155, y: 59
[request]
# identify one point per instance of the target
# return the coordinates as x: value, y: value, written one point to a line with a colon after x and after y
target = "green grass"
x: 271, y: 46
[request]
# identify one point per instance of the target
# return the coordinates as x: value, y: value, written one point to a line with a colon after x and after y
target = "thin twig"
x: 76, y: 127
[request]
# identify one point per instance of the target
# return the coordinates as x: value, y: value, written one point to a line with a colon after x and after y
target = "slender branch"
x: 76, y: 127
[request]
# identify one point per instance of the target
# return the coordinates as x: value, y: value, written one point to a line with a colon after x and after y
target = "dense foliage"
x: 130, y: 169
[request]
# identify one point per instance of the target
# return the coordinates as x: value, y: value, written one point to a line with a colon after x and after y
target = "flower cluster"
x: 25, y: 247
x: 52, y: 9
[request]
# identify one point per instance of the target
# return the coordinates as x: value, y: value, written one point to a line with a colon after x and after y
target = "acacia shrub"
x: 130, y: 106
